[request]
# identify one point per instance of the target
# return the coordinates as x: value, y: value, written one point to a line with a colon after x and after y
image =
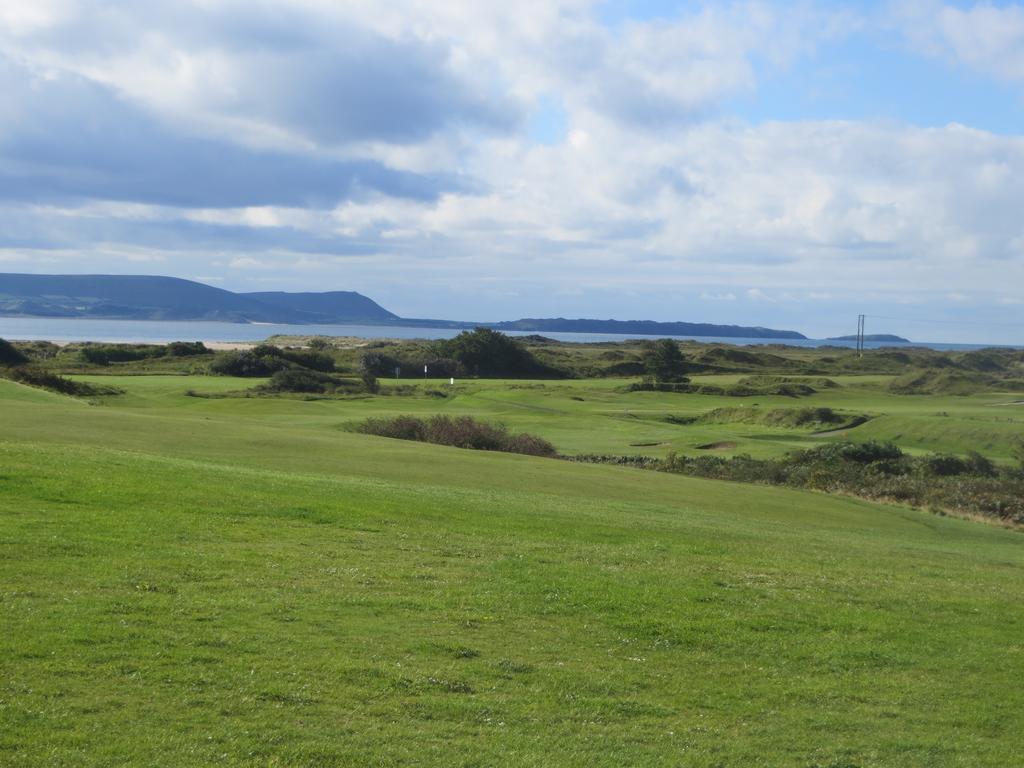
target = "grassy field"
x: 597, y: 416
x: 189, y: 581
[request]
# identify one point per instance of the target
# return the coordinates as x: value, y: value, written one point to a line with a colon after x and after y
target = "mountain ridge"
x: 149, y: 297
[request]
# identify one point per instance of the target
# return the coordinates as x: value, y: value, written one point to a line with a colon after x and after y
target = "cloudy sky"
x: 788, y: 164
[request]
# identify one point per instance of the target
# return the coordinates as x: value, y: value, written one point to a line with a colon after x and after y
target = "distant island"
x: 644, y: 328
x: 145, y: 297
x: 878, y: 337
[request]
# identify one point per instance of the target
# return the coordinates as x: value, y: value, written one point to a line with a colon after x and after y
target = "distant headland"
x: 874, y: 337
x: 146, y: 297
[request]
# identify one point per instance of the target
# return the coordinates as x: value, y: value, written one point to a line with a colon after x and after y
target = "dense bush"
x: 105, y: 354
x: 38, y: 350
x: 380, y: 364
x: 303, y: 380
x: 460, y: 432
x: 625, y: 368
x: 186, y: 349
x: 650, y: 385
x: 317, y: 361
x: 10, y: 355
x: 733, y: 390
x: 51, y: 381
x: 879, y: 471
x: 485, y: 352
x: 266, y: 360
x: 246, y: 364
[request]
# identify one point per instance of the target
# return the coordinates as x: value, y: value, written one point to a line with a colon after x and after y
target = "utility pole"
x: 860, y: 335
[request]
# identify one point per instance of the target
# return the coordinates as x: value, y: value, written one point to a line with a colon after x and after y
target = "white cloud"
x: 984, y: 37
x: 652, y: 193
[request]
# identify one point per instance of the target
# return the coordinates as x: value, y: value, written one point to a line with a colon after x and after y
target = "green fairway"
x: 597, y: 416
x: 192, y: 581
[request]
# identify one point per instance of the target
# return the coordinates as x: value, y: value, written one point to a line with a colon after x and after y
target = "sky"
x: 782, y: 164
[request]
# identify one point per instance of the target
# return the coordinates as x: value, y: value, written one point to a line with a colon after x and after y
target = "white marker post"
x: 424, y: 371
x: 452, y: 382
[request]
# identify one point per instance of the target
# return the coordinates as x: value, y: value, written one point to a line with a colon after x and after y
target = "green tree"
x: 486, y: 352
x: 664, y: 361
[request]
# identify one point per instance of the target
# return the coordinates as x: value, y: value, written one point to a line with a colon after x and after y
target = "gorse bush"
x: 460, y: 432
x: 105, y: 354
x: 38, y: 350
x: 878, y: 471
x: 246, y: 364
x: 303, y: 380
x: 484, y: 352
x: 266, y: 359
x: 51, y: 381
x: 379, y: 364
x: 793, y: 389
x: 317, y: 361
x: 186, y: 349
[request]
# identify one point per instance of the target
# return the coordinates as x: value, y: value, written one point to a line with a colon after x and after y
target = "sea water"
x: 61, y: 329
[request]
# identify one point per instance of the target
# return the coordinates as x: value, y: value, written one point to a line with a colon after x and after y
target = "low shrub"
x: 877, y: 471
x: 303, y: 380
x: 380, y: 364
x: 792, y: 389
x: 459, y: 432
x: 247, y: 364
x: 105, y: 354
x: 37, y: 350
x: 186, y: 349
x: 51, y: 381
x: 11, y: 355
x: 316, y: 361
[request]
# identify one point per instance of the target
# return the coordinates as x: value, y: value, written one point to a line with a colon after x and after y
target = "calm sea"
x: 152, y: 331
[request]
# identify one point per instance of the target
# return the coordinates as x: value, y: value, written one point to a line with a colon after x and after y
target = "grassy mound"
x: 748, y: 387
x: 941, y: 382
x: 793, y: 418
x: 766, y: 382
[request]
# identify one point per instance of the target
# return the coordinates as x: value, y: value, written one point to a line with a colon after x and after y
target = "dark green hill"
x: 130, y: 297
x: 329, y: 307
x: 147, y: 297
